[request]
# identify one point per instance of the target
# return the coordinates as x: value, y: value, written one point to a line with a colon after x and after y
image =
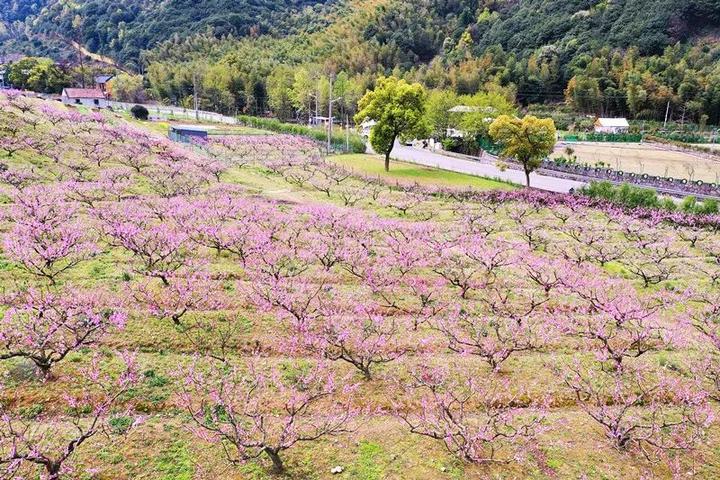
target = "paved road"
x: 431, y: 159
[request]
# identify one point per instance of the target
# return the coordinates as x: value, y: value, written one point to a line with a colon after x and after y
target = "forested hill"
x: 122, y: 29
x: 649, y: 25
x: 423, y: 29
x: 408, y: 31
x: 612, y: 57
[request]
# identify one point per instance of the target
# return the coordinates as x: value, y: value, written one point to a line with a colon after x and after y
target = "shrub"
x: 120, y: 425
x: 689, y: 204
x: 709, y: 207
x: 139, y: 112
x: 633, y: 197
x: 626, y: 195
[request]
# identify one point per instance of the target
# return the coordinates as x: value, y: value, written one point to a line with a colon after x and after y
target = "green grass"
x: 175, y: 463
x: 410, y: 173
x: 367, y: 466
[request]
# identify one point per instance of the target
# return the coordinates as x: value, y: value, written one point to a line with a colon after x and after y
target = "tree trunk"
x: 527, y: 175
x: 387, y: 153
x: 44, y: 369
x: 278, y: 466
x: 53, y: 470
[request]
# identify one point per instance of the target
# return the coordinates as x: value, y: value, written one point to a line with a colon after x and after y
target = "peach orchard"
x: 487, y: 324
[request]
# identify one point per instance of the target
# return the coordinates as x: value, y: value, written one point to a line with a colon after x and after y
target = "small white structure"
x: 88, y: 97
x: 321, y: 121
x: 611, y: 125
x: 454, y: 133
x: 366, y: 126
x: 472, y: 109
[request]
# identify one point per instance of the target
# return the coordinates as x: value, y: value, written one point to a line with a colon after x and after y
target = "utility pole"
x: 317, y: 103
x: 330, y: 119
x: 667, y: 113
x: 347, y: 133
x: 195, y: 97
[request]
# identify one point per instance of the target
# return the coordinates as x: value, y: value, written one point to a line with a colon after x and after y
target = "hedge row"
x: 631, y: 196
x: 605, y: 137
x: 683, y: 137
x: 689, y: 146
x: 339, y: 140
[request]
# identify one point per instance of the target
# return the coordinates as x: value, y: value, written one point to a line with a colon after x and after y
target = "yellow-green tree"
x: 528, y: 140
x: 487, y: 106
x: 399, y: 110
x: 125, y: 87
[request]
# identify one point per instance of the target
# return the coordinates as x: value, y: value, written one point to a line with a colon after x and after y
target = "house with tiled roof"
x: 612, y: 125
x: 88, y: 97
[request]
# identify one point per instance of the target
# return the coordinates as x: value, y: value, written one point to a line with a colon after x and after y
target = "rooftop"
x: 470, y: 109
x: 83, y: 93
x: 103, y: 78
x: 613, y: 122
x: 192, y: 128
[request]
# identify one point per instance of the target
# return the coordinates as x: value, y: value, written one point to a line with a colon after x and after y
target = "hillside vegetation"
x: 635, y: 58
x: 122, y: 30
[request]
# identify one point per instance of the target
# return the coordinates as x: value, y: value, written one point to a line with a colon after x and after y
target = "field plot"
x: 713, y: 146
x: 641, y: 158
x: 248, y: 309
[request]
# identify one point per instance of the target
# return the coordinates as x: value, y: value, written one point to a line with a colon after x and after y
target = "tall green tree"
x: 38, y: 74
x: 438, y: 113
x: 487, y: 107
x: 279, y: 90
x: 125, y: 87
x: 399, y: 110
x: 528, y: 140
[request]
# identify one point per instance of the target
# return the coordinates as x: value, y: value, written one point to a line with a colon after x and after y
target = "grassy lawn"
x: 410, y: 173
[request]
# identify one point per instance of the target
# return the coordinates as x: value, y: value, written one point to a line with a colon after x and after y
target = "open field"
x: 714, y: 146
x: 266, y: 294
x: 411, y: 173
x: 642, y: 158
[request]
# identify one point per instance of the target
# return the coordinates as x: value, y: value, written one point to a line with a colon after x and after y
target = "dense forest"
x: 639, y: 58
x: 121, y: 30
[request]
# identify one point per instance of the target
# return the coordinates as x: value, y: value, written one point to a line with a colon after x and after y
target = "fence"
x: 663, y: 184
x: 169, y: 113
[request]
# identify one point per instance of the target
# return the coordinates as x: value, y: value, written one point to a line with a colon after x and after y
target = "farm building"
x: 186, y: 133
x: 611, y: 125
x: 89, y: 97
x: 101, y: 82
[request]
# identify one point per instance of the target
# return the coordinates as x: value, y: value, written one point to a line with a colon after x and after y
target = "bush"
x: 626, y: 195
x: 139, y: 112
x: 633, y: 197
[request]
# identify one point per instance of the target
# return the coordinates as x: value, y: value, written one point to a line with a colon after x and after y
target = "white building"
x: 611, y: 125
x: 88, y: 97
x: 366, y: 126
